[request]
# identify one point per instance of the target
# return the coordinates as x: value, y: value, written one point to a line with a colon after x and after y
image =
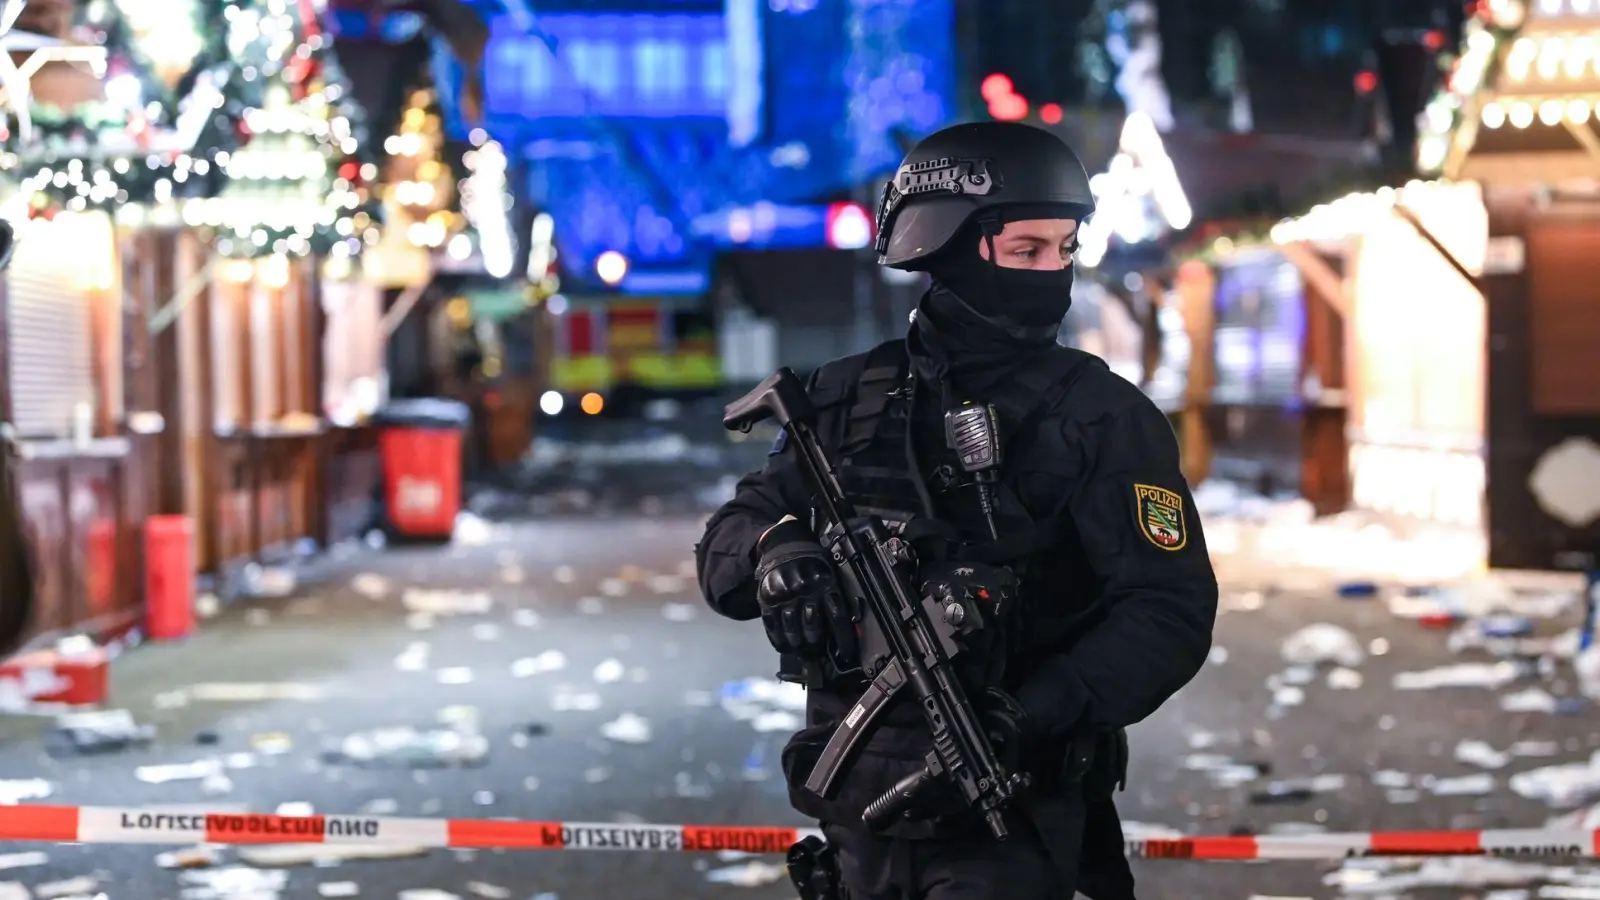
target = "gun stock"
x: 781, y: 396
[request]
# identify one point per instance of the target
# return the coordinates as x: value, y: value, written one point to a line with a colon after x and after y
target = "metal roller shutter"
x: 50, y: 330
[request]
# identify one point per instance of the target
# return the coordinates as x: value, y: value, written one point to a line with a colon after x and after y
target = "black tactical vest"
x: 872, y: 448
x: 879, y: 469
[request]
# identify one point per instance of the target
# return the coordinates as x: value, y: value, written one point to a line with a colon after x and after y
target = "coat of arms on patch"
x: 1161, y: 516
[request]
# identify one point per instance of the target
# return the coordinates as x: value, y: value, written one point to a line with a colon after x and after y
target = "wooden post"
x: 1150, y: 343
x: 201, y: 356
x: 1197, y: 290
x: 155, y: 371
x: 316, y: 378
x: 1325, y: 459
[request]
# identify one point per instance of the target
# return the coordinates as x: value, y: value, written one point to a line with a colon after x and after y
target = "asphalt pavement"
x: 578, y: 649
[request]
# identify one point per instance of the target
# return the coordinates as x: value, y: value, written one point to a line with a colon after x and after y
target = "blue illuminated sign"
x: 636, y: 65
x: 659, y: 131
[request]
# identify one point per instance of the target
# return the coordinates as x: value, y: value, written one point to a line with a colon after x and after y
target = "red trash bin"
x: 421, y: 445
x: 169, y: 577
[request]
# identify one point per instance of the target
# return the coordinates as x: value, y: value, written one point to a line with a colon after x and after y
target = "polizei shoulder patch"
x: 1160, y: 513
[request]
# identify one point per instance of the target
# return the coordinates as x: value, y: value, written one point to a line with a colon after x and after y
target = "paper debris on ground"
x: 26, y: 860
x: 752, y: 873
x: 1477, y: 675
x: 1391, y: 878
x: 80, y: 886
x: 189, y: 857
x: 751, y: 699
x: 666, y: 584
x: 407, y: 747
x: 269, y: 582
x: 679, y: 612
x: 258, y: 692
x: 1479, y: 598
x: 170, y: 772
x: 235, y: 881
x: 1323, y: 643
x: 371, y: 586
x: 100, y: 731
x: 427, y: 894
x: 1586, y: 665
x: 1480, y: 754
x: 1222, y: 771
x: 548, y: 661
x: 565, y: 698
x: 16, y: 790
x: 414, y: 658
x: 284, y: 856
x: 1342, y: 679
x: 1562, y: 786
x: 472, y: 531
x: 627, y: 729
x: 446, y: 602
x: 1531, y: 699
x: 1465, y: 785
x: 1586, y: 819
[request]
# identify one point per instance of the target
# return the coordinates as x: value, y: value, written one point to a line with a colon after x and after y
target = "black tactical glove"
x: 800, y: 603
x: 1006, y: 723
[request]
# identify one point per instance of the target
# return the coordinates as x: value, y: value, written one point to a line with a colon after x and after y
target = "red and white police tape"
x: 112, y: 825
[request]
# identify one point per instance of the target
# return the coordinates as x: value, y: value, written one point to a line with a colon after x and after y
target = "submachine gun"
x: 905, y: 639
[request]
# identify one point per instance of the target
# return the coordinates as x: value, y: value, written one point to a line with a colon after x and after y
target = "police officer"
x: 1116, y: 596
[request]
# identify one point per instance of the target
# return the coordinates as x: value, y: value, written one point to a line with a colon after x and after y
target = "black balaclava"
x: 980, y: 321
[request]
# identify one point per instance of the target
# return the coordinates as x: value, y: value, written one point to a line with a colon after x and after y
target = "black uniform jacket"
x: 1123, y: 606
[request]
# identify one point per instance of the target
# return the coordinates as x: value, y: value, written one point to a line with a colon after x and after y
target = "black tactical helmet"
x: 1013, y: 170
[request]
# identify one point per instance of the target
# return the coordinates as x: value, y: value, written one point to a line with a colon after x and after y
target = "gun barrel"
x: 997, y: 824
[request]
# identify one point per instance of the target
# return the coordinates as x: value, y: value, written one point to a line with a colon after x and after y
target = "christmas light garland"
x: 421, y: 186
x: 1451, y: 116
x: 264, y: 123
x: 1491, y: 47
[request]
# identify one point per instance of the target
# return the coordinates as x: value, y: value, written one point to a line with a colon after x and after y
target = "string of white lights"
x: 485, y: 202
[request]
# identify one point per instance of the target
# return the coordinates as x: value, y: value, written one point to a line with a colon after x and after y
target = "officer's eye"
x: 1026, y: 252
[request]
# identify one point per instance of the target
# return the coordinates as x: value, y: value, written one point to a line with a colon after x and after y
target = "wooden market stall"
x: 164, y: 322
x: 1264, y: 400
x: 281, y: 295
x: 1398, y: 266
x: 71, y: 346
x: 1519, y: 116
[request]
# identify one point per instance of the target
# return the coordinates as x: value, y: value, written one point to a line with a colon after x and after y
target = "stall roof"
x: 1521, y: 103
x: 1230, y: 175
x: 1158, y: 183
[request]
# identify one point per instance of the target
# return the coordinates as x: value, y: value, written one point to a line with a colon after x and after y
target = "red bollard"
x: 169, y: 577
x: 100, y: 564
